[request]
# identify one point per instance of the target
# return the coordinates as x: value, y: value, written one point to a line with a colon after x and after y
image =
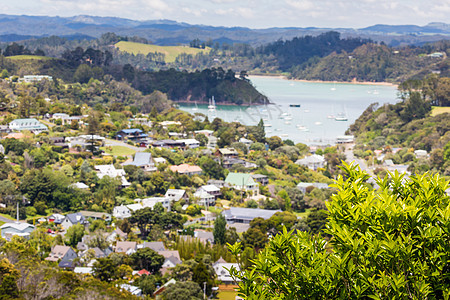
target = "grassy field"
x: 118, y: 150
x: 170, y: 52
x: 437, y: 110
x: 227, y: 295
x: 23, y: 57
x: 7, y: 216
x: 303, y: 214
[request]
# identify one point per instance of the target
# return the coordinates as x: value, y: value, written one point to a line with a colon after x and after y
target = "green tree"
x: 386, y: 244
x: 201, y: 275
x: 183, y: 290
x: 105, y: 269
x: 74, y: 234
x: 220, y: 228
x: 148, y: 259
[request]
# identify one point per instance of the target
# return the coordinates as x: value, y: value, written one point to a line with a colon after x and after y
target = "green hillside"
x: 170, y: 52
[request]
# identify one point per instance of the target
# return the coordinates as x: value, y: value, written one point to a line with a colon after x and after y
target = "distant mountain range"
x: 166, y: 32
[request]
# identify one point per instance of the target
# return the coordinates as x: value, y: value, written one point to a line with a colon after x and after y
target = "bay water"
x: 326, y: 109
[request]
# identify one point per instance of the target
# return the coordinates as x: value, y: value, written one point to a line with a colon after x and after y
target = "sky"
x: 247, y: 13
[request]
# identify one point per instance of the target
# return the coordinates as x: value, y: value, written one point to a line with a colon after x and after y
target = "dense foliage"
x: 385, y: 244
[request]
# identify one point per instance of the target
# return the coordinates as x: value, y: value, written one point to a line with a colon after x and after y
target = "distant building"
x: 262, y: 179
x: 302, y: 186
x: 144, y: 161
x: 64, y: 253
x: 186, y: 169
x: 35, y: 78
x: 96, y: 215
x: 156, y: 246
x: 242, y: 181
x: 8, y: 230
x: 226, y: 152
x: 246, y: 215
x: 211, y: 189
x: 312, y: 162
x: 176, y: 195
x: 205, y: 199
x: 111, y: 171
x: 190, y: 143
x: 131, y: 134
x: 345, y: 139
x: 73, y: 219
x: 212, y: 142
x: 151, y: 202
x: 30, y: 124
x: 221, y: 268
x: 205, y: 132
x: 124, y: 211
x: 126, y: 247
x: 246, y: 142
x: 421, y: 153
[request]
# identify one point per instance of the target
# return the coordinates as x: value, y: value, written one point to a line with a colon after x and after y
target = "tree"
x: 74, y: 234
x: 386, y: 244
x: 186, y: 290
x: 105, y: 269
x: 148, y: 259
x: 202, y: 139
x: 220, y: 228
x: 83, y: 74
x: 201, y: 275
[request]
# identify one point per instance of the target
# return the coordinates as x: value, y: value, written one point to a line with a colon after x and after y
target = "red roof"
x: 185, y: 168
x: 143, y: 272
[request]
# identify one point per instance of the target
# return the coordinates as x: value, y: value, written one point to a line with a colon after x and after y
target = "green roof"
x: 239, y: 178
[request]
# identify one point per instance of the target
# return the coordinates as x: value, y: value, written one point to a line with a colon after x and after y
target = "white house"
x: 312, y: 162
x: 126, y: 247
x: 190, y: 143
x: 111, y: 171
x: 211, y: 189
x: 143, y: 160
x: 124, y: 211
x: 171, y: 262
x: 19, y: 229
x: 30, y: 124
x: 205, y: 199
x: 151, y: 202
x: 221, y: 268
x: 176, y: 194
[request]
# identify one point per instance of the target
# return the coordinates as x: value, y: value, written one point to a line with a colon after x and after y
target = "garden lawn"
x: 437, y: 110
x: 227, y: 295
x: 118, y: 150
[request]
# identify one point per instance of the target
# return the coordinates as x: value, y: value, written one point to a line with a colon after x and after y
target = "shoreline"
x: 323, y: 81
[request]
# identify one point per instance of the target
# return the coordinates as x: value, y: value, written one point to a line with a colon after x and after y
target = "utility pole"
x: 204, y: 290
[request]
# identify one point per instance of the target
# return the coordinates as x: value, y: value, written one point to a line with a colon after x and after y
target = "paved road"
x: 361, y: 162
x: 6, y: 220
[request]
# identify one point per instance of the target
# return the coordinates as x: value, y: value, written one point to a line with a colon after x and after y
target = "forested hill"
x: 411, y: 123
x: 81, y: 66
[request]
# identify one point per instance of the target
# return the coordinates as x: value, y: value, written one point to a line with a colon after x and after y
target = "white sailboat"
x: 341, y: 117
x: 195, y: 108
x: 212, y: 104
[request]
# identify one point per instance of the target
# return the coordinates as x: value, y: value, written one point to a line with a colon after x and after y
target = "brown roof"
x: 57, y: 253
x: 169, y: 253
x: 185, y: 168
x: 125, y: 246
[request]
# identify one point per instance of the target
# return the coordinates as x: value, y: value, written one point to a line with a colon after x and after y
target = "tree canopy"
x: 386, y: 244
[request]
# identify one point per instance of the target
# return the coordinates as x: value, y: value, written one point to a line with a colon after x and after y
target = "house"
x: 159, y: 160
x: 262, y: 179
x: 79, y: 185
x: 117, y: 234
x: 246, y: 142
x: 86, y: 141
x: 35, y: 78
x: 96, y: 215
x: 205, y: 199
x: 190, y: 143
x: 134, y: 290
x: 345, y: 139
x: 312, y: 162
x: 212, y: 142
x: 4, y: 129
x: 186, y: 169
x: 59, y: 141
x: 302, y: 186
x: 226, y: 152
x: 8, y: 230
x: 176, y: 195
x: 211, y: 189
x: 171, y: 262
x: 156, y: 246
x: 160, y: 290
x: 242, y: 181
x: 246, y: 215
x: 143, y: 160
x: 228, y: 163
x: 221, y: 268
x: 64, y: 253
x: 217, y: 183
x: 83, y: 270
x: 56, y: 218
x: 421, y: 153
x: 131, y: 134
x: 61, y: 116
x: 169, y: 253
x: 205, y: 132
x: 169, y: 144
x: 73, y: 219
x: 204, y: 236
x: 124, y: 211
x: 30, y: 124
x: 111, y: 171
x: 126, y: 247
x: 151, y: 202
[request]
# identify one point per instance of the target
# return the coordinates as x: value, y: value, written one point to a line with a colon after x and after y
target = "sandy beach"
x: 321, y: 81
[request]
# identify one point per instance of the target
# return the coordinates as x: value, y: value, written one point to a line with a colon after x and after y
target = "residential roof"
x: 94, y: 214
x: 125, y: 246
x: 175, y: 194
x: 239, y: 179
x: 75, y: 218
x: 185, y: 168
x: 311, y: 159
x: 79, y: 185
x: 157, y: 246
x: 140, y: 159
x: 57, y: 252
x: 17, y: 226
x: 230, y: 151
x: 210, y: 188
x: 254, y: 176
x: 318, y: 185
x: 169, y: 253
x: 174, y: 260
x: 203, y: 195
x: 248, y: 213
x: 131, y: 130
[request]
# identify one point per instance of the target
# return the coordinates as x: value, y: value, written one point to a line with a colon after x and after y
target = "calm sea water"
x: 314, y: 121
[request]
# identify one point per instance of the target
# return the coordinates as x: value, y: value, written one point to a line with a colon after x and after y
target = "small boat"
x: 302, y: 128
x: 375, y: 92
x: 269, y: 131
x: 341, y: 117
x: 212, y: 104
x: 267, y: 125
x: 195, y: 108
x: 318, y: 123
x: 294, y: 105
x: 331, y: 116
x: 288, y: 118
x: 277, y: 129
x: 306, y: 110
x: 287, y: 123
x: 284, y: 135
